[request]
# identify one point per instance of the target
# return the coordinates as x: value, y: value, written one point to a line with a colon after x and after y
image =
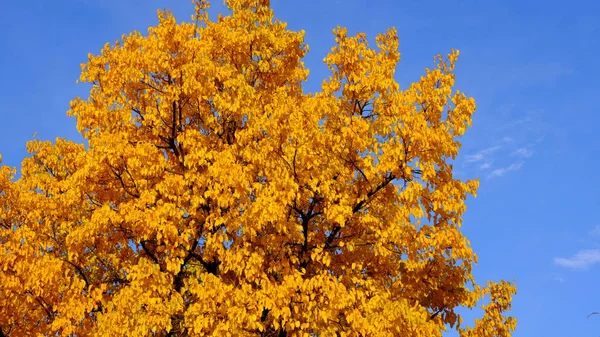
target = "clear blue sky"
x: 531, y: 65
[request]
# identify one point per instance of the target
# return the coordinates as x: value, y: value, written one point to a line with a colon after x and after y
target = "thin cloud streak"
x: 502, y: 171
x: 481, y: 155
x: 485, y: 165
x: 523, y: 152
x: 580, y: 261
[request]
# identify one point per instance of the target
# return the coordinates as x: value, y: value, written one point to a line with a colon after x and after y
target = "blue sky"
x: 531, y: 65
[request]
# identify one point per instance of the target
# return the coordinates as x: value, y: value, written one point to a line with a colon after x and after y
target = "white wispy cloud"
x: 507, y: 140
x: 499, y: 172
x: 523, y: 152
x: 558, y: 278
x: 596, y: 231
x: 515, y: 123
x: 582, y: 260
x: 485, y: 165
x: 481, y: 155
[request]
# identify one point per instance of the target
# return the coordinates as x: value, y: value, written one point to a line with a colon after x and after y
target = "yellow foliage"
x: 215, y: 198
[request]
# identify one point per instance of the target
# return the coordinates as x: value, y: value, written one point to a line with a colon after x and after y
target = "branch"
x: 434, y: 315
x: 151, y: 255
x: 178, y: 280
x: 371, y: 193
x: 119, y: 177
x: 174, y: 131
x: 211, y: 267
x: 44, y: 306
x: 357, y: 208
x: 80, y: 272
x: 152, y: 87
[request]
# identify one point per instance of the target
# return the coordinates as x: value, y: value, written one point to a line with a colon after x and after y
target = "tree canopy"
x: 214, y: 197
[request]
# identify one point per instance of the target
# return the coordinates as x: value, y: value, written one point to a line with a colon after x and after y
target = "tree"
x: 213, y: 197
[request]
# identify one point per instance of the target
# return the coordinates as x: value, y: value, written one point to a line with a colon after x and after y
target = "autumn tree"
x: 214, y: 197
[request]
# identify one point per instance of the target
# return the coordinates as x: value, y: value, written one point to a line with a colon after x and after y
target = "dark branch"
x: 80, y: 272
x: 151, y: 254
x: 358, y: 207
